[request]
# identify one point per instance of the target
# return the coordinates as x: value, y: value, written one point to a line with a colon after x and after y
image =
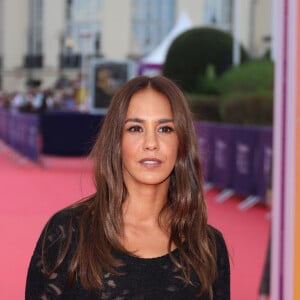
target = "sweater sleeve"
x: 42, y: 281
x: 221, y: 286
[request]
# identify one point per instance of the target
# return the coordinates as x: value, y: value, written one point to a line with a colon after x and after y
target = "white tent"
x: 158, y: 55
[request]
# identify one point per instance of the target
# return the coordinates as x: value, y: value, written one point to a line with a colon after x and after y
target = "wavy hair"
x: 101, y: 217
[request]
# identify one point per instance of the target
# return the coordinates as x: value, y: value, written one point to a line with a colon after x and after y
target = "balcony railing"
x: 33, y: 61
x: 70, y: 61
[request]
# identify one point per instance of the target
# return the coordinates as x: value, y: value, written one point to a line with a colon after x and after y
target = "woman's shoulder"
x: 215, y: 232
x: 49, y: 263
x: 63, y: 221
x: 61, y: 217
x: 217, y: 235
x: 221, y: 250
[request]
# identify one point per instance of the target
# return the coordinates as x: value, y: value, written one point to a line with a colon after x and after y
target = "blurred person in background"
x: 4, y: 100
x: 144, y: 233
x: 18, y: 102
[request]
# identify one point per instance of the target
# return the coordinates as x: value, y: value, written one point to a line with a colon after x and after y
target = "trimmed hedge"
x: 251, y: 109
x: 247, y: 93
x: 192, y: 52
x: 204, y: 107
x: 254, y: 76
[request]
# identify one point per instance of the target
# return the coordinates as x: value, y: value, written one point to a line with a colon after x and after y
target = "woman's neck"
x: 146, y: 232
x: 144, y: 204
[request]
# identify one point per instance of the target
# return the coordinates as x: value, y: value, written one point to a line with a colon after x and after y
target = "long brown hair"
x: 101, y: 220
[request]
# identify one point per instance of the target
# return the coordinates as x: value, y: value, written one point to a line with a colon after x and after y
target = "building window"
x: 218, y: 13
x: 34, y: 58
x: 82, y: 35
x: 151, y: 21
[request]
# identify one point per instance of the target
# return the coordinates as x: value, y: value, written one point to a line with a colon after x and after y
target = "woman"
x: 144, y: 233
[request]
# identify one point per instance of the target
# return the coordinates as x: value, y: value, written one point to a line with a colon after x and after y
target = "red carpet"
x: 30, y: 194
x: 246, y: 235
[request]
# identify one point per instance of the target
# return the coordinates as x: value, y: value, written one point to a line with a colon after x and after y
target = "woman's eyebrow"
x: 138, y: 120
x: 161, y: 121
x: 135, y: 120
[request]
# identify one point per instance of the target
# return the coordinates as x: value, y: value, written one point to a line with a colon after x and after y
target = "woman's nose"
x: 151, y: 141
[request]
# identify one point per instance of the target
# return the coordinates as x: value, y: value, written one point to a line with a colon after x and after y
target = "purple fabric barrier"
x: 204, y: 132
x: 14, y: 129
x: 23, y: 134
x: 246, y: 145
x: 4, y: 121
x: 236, y: 157
x: 149, y: 69
x: 263, y: 169
x: 224, y: 154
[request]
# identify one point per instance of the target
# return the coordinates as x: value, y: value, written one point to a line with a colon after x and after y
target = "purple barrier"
x: 205, y: 132
x: 245, y: 143
x: 224, y: 154
x: 31, y: 147
x: 4, y: 121
x: 16, y: 131
x: 263, y: 170
x: 23, y: 134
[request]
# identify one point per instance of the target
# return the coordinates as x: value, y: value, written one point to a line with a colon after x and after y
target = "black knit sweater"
x: 142, y: 278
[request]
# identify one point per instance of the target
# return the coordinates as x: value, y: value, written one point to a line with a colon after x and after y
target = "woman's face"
x: 149, y: 143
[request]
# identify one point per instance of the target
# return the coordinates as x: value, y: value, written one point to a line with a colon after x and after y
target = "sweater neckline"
x: 139, y: 259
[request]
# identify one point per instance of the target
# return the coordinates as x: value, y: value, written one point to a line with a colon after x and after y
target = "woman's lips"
x: 150, y: 162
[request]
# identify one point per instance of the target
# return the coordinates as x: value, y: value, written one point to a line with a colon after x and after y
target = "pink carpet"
x: 31, y: 193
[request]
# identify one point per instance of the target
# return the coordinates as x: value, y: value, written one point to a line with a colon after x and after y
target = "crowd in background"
x: 36, y: 99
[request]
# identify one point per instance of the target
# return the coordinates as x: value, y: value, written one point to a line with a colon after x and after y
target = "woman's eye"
x: 135, y: 128
x: 166, y: 129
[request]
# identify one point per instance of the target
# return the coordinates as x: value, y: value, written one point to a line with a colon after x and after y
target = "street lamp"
x: 236, y: 55
x: 84, y: 38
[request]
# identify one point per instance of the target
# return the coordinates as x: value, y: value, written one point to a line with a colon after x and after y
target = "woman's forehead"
x: 149, y: 102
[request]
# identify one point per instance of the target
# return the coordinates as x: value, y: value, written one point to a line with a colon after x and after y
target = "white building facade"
x: 47, y: 39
